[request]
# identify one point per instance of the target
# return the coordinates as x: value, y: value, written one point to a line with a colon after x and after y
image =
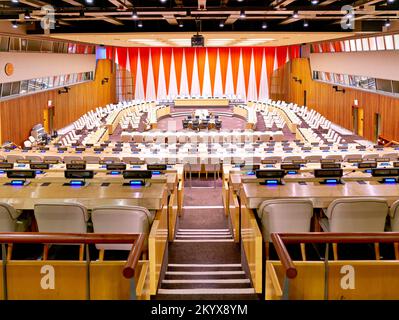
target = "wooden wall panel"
x: 335, y: 106
x: 18, y: 116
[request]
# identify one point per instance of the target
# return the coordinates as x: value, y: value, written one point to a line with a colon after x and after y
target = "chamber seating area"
x: 199, y: 150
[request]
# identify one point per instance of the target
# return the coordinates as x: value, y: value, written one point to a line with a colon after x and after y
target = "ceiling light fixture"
x: 295, y: 14
x: 264, y: 25
x: 140, y: 24
x: 221, y: 24
x: 305, y: 23
x: 314, y: 2
x: 242, y: 14
x: 14, y: 24
x: 181, y: 25
x: 89, y: 1
x: 134, y: 14
x: 388, y: 23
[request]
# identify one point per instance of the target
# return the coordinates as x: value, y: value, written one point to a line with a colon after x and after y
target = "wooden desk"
x: 92, y: 195
x: 321, y: 195
x: 202, y: 102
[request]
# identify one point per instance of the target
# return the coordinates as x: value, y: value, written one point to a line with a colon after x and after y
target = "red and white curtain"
x: 242, y: 71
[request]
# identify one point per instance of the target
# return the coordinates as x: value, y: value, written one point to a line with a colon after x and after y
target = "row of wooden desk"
x: 243, y: 195
x: 163, y: 194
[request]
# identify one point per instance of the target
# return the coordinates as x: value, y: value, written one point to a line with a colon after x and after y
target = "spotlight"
x: 89, y: 1
x: 163, y: 1
x: 264, y: 25
x: 140, y: 24
x: 295, y: 14
x: 242, y: 14
x: 305, y: 24
x: 181, y: 25
x: 388, y: 23
x: 27, y: 14
x: 14, y: 24
x: 134, y: 14
x: 391, y: 1
x: 314, y: 2
x: 15, y: 1
x: 221, y: 24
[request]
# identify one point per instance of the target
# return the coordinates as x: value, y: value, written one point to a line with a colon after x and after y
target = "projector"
x: 197, y: 41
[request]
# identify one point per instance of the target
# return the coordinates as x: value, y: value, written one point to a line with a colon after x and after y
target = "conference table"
x: 152, y: 197
x: 321, y: 195
x: 201, y: 102
x: 235, y: 176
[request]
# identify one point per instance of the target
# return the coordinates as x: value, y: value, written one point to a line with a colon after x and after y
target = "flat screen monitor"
x: 270, y: 174
x: 78, y: 174
x: 249, y: 167
x: 331, y: 165
x: 367, y: 165
x: 327, y: 161
x: 156, y: 167
x: 137, y: 174
x: 6, y: 165
x: 385, y: 172
x: 21, y: 174
x: 290, y: 166
x: 76, y: 166
x: 328, y: 173
x: 116, y: 166
x: 39, y: 166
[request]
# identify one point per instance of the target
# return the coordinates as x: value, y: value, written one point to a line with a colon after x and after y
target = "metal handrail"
x: 280, y: 239
x: 137, y: 241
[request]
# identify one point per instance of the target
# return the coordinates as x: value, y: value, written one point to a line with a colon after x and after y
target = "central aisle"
x: 204, y: 261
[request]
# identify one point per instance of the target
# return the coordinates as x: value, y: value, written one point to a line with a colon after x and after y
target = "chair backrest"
x: 394, y: 216
x: 8, y: 215
x: 357, y: 215
x: 285, y: 216
x: 61, y: 217
x: 121, y: 219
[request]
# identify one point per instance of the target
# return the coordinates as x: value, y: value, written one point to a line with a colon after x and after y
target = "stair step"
x: 204, y: 276
x: 205, y: 285
x: 207, y: 291
x: 204, y: 240
x: 203, y: 272
x: 224, y: 281
x: 196, y: 265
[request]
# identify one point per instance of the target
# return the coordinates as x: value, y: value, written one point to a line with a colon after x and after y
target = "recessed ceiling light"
x: 242, y: 14
x: 140, y: 24
x: 134, y: 14
x: 305, y: 24
x: 181, y: 25
x: 314, y: 2
x: 15, y: 1
x: 388, y: 23
x: 264, y: 25
x: 221, y: 24
x: 295, y: 14
x: 14, y: 24
x: 89, y: 1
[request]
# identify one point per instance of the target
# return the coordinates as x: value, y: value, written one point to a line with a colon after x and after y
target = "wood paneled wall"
x: 335, y: 106
x: 18, y: 116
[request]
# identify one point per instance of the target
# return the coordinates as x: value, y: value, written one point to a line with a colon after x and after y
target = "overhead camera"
x: 197, y: 41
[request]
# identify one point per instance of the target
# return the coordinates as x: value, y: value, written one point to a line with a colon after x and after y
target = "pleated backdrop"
x: 242, y: 71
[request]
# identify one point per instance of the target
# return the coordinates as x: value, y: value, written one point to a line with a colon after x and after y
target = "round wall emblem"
x: 9, y: 69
